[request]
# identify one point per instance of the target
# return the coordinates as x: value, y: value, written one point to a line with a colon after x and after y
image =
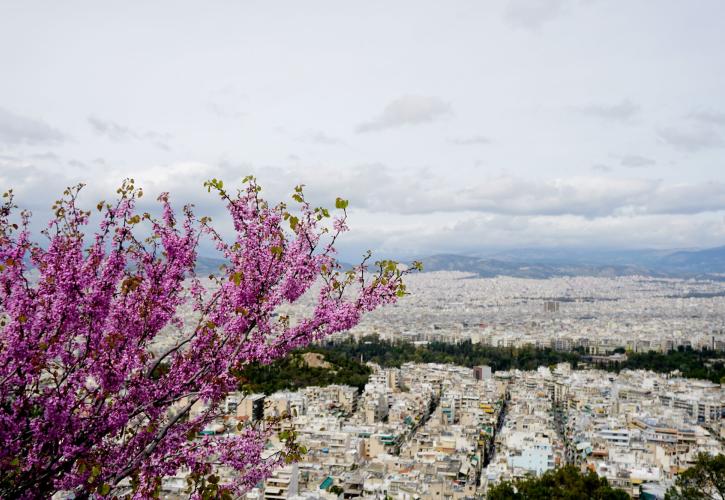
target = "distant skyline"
x: 451, y: 126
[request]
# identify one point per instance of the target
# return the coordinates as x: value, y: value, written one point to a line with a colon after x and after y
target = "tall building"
x: 251, y: 407
x: 282, y: 484
x: 482, y: 372
x: 551, y: 306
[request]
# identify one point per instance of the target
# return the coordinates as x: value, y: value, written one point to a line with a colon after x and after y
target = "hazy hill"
x: 711, y: 260
x: 520, y: 269
x: 544, y: 263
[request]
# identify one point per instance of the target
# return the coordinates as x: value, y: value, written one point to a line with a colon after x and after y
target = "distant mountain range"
x: 546, y: 263
x: 524, y: 269
x: 208, y: 265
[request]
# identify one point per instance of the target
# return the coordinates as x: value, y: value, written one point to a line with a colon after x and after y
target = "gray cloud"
x: 709, y: 117
x: 225, y: 102
x: 467, y: 141
x: 47, y: 156
x: 27, y: 179
x: 77, y: 164
x: 601, y: 167
x: 120, y: 133
x: 322, y: 139
x: 623, y: 111
x: 691, y: 139
x: 635, y: 161
x: 110, y: 129
x: 224, y: 111
x: 407, y: 110
x: 16, y: 129
x: 532, y: 14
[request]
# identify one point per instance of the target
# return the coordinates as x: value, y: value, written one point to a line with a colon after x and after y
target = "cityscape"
x: 386, y: 250
x: 432, y: 430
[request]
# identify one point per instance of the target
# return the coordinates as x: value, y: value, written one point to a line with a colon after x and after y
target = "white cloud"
x: 412, y: 212
x: 378, y: 189
x: 473, y: 233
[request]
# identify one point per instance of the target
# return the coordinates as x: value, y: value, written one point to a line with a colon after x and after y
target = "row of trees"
x: 705, y: 480
x: 292, y: 373
x: 394, y: 354
x: 566, y: 483
x: 703, y: 364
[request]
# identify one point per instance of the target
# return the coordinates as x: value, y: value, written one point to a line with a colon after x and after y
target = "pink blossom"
x: 87, y: 403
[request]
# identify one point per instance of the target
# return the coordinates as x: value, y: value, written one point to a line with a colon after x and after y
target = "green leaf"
x: 340, y: 203
x: 105, y: 489
x: 293, y: 222
x: 276, y: 250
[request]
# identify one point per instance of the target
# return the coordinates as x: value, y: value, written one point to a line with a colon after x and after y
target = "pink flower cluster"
x: 87, y: 405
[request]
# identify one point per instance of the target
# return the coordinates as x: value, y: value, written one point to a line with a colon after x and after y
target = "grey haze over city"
x: 450, y: 126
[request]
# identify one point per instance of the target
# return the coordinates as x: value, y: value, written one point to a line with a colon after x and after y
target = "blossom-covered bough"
x: 88, y: 402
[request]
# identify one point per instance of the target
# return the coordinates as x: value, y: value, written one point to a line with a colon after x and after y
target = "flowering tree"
x: 90, y: 403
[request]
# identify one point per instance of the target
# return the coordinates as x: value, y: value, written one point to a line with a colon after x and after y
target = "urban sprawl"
x: 449, y: 432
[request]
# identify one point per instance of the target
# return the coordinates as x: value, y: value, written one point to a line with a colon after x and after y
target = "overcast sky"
x: 453, y: 126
